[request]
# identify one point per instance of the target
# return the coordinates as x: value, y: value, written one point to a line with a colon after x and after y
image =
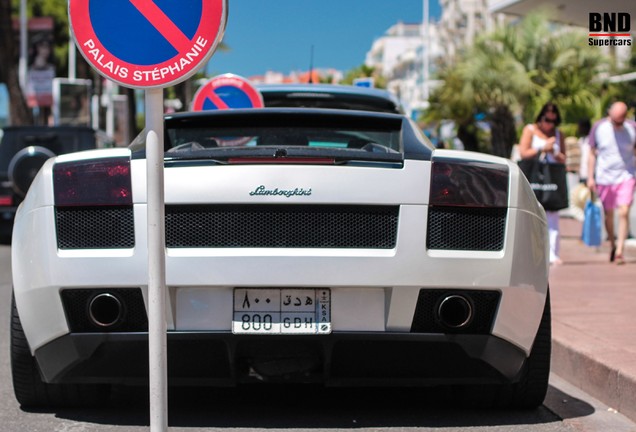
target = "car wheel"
x: 531, y: 389
x: 30, y: 391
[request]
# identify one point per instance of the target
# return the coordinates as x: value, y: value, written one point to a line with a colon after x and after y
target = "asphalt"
x: 594, y: 320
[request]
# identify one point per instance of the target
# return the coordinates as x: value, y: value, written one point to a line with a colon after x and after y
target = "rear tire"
x: 31, y: 392
x: 529, y: 392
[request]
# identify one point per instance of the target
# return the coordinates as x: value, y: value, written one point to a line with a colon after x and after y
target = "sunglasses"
x: 549, y: 120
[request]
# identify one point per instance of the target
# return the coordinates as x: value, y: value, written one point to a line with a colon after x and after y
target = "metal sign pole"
x: 157, y: 337
x: 115, y: 58
x: 426, y: 47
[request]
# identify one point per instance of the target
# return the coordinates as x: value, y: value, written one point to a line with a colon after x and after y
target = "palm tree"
x: 18, y: 110
x: 559, y: 63
x: 364, y: 71
x: 514, y: 71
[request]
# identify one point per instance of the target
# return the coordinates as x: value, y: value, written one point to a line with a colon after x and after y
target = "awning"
x: 572, y: 12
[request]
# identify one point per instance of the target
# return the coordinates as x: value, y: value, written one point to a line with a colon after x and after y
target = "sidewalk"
x: 594, y: 320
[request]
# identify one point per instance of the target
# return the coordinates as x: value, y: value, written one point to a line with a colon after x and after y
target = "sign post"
x: 150, y: 44
x: 157, y: 343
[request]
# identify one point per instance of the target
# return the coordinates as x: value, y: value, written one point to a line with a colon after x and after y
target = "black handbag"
x: 548, y: 181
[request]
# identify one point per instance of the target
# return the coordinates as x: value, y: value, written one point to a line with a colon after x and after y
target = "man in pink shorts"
x: 613, y: 161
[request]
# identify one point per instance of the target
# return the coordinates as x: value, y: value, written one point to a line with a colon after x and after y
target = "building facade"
x: 461, y: 22
x: 408, y: 54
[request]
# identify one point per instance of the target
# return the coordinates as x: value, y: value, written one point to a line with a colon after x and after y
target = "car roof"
x: 58, y: 139
x: 330, y: 96
x: 44, y: 129
x: 277, y: 112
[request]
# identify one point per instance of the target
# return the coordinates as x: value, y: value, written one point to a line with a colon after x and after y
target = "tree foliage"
x: 510, y: 73
x: 58, y: 10
x: 364, y: 71
x: 18, y: 110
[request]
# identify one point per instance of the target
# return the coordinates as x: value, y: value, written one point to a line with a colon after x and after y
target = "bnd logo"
x: 609, y: 28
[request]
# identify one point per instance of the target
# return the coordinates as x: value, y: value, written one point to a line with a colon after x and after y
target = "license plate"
x: 281, y: 311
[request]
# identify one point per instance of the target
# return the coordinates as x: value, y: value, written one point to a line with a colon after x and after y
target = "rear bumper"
x: 339, y: 359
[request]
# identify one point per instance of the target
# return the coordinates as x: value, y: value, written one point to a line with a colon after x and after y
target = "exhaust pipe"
x: 105, y: 310
x: 455, y: 311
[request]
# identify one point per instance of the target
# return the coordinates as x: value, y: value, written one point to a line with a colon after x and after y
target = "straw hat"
x: 579, y: 196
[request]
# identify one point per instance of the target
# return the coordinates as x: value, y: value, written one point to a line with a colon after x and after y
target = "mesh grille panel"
x: 95, y: 227
x: 281, y: 226
x: 76, y: 303
x: 484, y: 305
x: 459, y: 228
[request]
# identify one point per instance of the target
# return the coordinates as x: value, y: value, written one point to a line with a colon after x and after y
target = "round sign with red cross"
x: 225, y: 92
x: 147, y: 43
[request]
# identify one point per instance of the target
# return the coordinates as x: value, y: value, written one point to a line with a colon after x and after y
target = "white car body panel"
x: 381, y: 285
x: 320, y: 240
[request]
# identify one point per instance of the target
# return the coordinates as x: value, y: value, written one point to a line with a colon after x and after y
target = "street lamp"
x: 22, y: 63
x: 426, y: 45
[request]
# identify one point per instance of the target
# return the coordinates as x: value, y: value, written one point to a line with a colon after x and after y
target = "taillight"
x: 458, y: 183
x: 6, y: 200
x: 286, y: 160
x: 96, y: 182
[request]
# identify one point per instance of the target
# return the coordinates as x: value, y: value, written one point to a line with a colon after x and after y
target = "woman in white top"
x: 543, y: 137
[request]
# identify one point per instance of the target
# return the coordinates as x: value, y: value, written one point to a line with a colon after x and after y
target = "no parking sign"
x: 150, y: 44
x: 225, y: 92
x: 146, y: 43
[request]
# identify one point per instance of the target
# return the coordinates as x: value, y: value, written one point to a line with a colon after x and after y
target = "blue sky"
x: 277, y: 35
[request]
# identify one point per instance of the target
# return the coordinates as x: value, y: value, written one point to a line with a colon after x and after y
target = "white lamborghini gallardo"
x: 302, y: 245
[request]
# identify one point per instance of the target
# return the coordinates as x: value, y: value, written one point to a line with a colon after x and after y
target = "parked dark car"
x: 23, y: 151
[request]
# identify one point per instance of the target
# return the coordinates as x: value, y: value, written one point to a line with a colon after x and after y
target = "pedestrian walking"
x: 542, y: 139
x: 612, y: 160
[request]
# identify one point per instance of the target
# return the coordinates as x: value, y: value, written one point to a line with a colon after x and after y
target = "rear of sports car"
x: 305, y: 246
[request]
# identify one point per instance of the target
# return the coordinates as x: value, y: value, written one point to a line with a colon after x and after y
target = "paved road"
x: 566, y: 408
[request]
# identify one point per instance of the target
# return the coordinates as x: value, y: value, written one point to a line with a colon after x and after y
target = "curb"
x: 593, y: 324
x: 610, y: 385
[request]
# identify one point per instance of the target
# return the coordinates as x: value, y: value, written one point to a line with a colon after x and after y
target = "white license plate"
x: 282, y: 311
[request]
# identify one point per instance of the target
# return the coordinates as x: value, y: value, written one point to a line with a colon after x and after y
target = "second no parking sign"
x: 225, y: 92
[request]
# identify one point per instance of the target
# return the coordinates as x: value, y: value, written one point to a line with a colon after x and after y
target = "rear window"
x: 193, y: 139
x: 331, y: 101
x: 222, y: 136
